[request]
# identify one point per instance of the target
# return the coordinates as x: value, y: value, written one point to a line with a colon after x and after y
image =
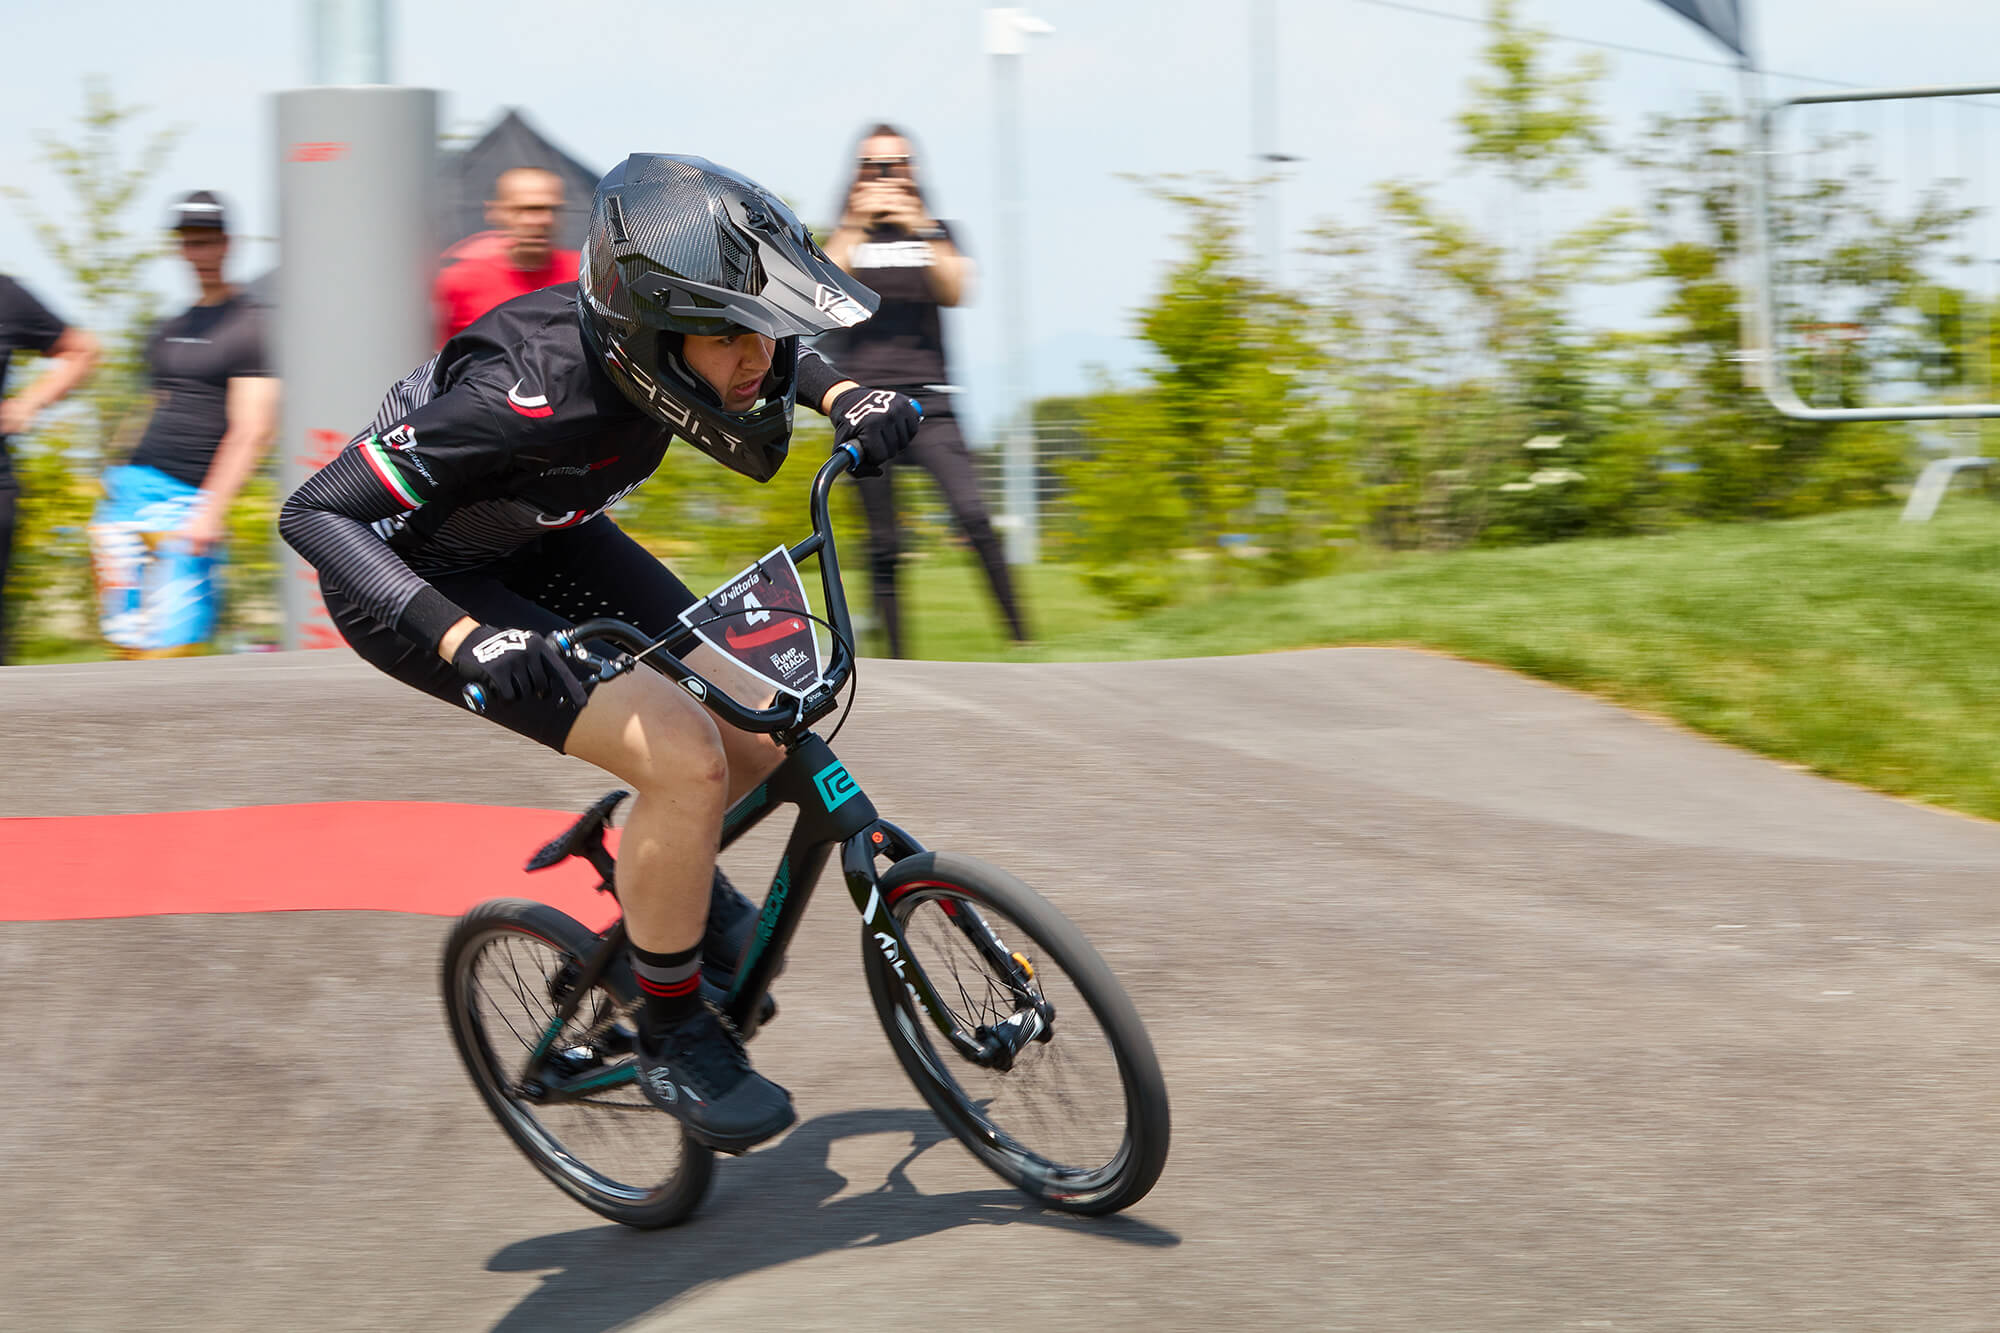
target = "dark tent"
x: 466, y: 179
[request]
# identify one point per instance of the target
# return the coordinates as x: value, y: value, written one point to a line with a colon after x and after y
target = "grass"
x: 54, y: 651
x: 1854, y: 645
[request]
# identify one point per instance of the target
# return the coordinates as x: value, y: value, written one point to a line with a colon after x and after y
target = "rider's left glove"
x: 879, y: 422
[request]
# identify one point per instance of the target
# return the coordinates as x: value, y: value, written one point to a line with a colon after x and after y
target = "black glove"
x: 512, y: 664
x: 879, y: 422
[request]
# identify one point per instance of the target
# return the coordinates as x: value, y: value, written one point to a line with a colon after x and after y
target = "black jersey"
x: 192, y: 357
x: 903, y: 344
x: 25, y: 326
x: 512, y: 430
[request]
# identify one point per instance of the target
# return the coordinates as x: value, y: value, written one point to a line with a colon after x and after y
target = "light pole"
x: 357, y: 249
x: 350, y: 42
x: 1264, y: 130
x: 1007, y: 33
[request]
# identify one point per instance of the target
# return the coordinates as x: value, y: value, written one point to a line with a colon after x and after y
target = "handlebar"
x: 788, y: 713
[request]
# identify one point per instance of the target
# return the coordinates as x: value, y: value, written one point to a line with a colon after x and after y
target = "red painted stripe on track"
x: 376, y: 856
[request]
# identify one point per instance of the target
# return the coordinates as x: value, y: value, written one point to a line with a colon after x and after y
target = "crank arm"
x: 550, y: 1087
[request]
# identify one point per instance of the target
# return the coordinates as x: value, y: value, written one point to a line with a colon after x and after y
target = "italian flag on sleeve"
x: 382, y: 462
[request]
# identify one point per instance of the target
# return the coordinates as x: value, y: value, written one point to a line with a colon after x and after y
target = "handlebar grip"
x: 566, y: 644
x: 853, y: 450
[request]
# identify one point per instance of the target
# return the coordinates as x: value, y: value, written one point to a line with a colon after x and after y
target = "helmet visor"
x: 779, y: 311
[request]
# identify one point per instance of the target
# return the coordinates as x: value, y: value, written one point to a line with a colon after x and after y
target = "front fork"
x: 995, y: 1046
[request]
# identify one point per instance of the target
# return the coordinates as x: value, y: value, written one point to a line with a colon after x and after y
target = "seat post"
x: 601, y: 861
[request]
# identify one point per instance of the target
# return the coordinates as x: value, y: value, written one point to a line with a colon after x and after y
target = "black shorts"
x: 555, y: 581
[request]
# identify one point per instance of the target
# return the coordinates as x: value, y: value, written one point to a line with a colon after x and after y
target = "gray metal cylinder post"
x: 357, y: 185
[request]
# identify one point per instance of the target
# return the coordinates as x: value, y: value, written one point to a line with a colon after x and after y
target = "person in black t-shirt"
x: 215, y: 411
x: 27, y: 326
x: 215, y: 400
x: 888, y: 239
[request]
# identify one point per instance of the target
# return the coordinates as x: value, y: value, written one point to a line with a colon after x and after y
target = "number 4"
x: 759, y: 615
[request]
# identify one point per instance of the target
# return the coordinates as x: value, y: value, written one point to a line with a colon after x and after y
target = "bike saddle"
x: 582, y: 837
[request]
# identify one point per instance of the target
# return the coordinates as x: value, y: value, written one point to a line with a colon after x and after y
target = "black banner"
x: 1723, y: 18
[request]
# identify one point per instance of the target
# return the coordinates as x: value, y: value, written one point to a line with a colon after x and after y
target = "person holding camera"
x: 889, y: 240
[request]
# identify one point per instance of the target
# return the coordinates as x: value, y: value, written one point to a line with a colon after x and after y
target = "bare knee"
x: 654, y: 738
x: 684, y: 756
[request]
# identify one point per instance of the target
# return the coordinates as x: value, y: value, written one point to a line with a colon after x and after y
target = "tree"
x: 1227, y: 447
x: 1455, y: 348
x: 1536, y: 128
x: 103, y: 254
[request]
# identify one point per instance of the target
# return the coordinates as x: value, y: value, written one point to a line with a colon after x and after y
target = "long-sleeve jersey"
x: 511, y: 430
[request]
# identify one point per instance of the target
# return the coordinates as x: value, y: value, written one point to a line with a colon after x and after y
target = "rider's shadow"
x: 767, y: 1209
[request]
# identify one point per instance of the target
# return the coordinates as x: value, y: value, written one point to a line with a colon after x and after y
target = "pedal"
x: 582, y: 837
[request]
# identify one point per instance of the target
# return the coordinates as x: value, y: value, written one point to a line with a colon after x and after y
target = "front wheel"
x: 508, y: 965
x: 1078, y: 1117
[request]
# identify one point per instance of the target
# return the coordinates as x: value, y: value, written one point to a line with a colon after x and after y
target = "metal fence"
x: 1903, y: 151
x: 924, y: 509
x: 1914, y: 149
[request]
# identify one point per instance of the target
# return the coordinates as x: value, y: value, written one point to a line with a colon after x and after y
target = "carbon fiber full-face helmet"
x: 677, y: 246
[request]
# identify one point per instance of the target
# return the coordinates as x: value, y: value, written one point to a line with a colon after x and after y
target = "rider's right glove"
x: 879, y: 422
x: 515, y: 663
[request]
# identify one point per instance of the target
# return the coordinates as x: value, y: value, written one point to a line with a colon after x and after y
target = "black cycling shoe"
x: 695, y: 1070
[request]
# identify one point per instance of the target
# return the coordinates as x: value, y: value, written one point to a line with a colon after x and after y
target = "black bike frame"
x: 833, y: 812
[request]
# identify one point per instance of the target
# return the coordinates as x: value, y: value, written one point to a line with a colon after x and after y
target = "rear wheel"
x: 1079, y: 1120
x: 508, y: 965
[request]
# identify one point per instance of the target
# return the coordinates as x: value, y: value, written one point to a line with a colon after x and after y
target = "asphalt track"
x: 1483, y: 1006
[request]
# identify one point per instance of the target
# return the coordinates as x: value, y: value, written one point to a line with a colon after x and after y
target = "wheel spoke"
x: 479, y: 988
x: 518, y: 982
x: 612, y: 1143
x: 1062, y: 1106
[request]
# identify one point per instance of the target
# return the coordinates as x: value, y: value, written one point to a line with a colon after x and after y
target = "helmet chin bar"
x: 757, y: 449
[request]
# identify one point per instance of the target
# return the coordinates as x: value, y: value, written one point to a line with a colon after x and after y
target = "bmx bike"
x: 1009, y: 1023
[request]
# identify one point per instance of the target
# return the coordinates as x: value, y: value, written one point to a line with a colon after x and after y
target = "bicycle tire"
x: 1127, y: 1172
x: 537, y: 941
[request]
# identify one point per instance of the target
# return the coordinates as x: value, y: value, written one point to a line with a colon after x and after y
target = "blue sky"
x: 777, y: 89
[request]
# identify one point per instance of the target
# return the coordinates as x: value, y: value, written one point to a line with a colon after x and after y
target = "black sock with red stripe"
x: 670, y: 983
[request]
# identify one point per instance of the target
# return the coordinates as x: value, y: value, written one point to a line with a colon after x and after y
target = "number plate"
x: 756, y: 621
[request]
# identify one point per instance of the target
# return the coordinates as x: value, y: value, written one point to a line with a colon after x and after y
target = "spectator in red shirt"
x: 513, y: 259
